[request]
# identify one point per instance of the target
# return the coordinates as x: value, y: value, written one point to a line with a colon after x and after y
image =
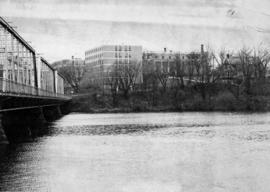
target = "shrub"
x: 257, y: 103
x: 225, y: 101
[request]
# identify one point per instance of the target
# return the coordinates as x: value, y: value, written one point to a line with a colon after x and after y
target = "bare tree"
x: 180, y: 71
x: 208, y: 71
x: 162, y: 77
x: 192, y: 63
x: 201, y: 71
x: 223, y: 67
x: 261, y: 59
x: 112, y: 79
x: 128, y: 75
x: 73, y: 75
x: 253, y: 68
x: 246, y: 68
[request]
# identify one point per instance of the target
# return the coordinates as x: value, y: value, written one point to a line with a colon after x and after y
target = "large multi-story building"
x: 99, y: 60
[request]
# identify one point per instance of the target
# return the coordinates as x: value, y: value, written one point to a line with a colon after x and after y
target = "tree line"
x: 203, y: 80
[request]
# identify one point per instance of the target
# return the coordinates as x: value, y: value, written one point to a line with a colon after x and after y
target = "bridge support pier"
x: 52, y: 113
x: 36, y: 121
x: 65, y: 108
x: 22, y: 125
x: 3, y: 138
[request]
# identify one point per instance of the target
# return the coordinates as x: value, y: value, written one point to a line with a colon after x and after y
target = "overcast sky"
x: 61, y: 28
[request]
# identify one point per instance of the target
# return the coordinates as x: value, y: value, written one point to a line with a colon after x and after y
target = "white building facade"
x: 99, y: 60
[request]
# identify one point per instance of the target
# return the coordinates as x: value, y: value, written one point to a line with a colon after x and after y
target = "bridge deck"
x: 25, y: 108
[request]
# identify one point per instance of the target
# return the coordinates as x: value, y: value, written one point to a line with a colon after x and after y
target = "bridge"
x: 31, y: 91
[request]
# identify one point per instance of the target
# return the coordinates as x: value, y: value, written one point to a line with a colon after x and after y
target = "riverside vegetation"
x: 188, y: 99
x: 232, y: 84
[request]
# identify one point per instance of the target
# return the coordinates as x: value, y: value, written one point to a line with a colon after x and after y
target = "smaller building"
x: 76, y: 62
x: 158, y: 61
x: 170, y: 67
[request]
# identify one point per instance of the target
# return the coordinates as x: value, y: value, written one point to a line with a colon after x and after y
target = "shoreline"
x: 223, y: 101
x: 117, y: 110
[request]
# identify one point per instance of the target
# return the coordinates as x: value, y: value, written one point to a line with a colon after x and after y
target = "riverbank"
x: 138, y: 102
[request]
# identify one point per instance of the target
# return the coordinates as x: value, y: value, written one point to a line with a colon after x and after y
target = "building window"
x: 115, y: 48
x: 129, y: 48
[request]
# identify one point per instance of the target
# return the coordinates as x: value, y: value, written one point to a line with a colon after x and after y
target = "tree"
x: 112, y: 79
x: 261, y: 59
x: 202, y: 71
x: 73, y: 75
x: 253, y: 66
x: 162, y: 77
x: 226, y: 72
x: 181, y: 70
x: 127, y: 75
x: 246, y: 68
x: 178, y: 71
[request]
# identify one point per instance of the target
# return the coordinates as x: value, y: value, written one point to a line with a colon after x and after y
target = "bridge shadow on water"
x: 12, y: 153
x: 27, y: 124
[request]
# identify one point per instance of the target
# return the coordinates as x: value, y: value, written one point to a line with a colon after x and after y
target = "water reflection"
x: 143, y: 152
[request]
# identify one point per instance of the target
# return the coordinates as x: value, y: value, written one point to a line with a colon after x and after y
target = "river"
x: 141, y: 152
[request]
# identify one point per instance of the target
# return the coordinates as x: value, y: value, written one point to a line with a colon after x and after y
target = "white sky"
x: 61, y: 28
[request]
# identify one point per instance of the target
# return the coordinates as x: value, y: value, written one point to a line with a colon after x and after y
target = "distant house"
x: 236, y: 67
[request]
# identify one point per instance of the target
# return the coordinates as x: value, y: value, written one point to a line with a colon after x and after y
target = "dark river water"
x: 143, y: 152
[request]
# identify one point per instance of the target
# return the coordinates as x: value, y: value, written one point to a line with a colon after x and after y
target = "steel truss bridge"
x: 31, y: 91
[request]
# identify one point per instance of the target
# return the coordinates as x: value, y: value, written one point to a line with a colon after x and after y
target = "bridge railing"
x: 8, y: 86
